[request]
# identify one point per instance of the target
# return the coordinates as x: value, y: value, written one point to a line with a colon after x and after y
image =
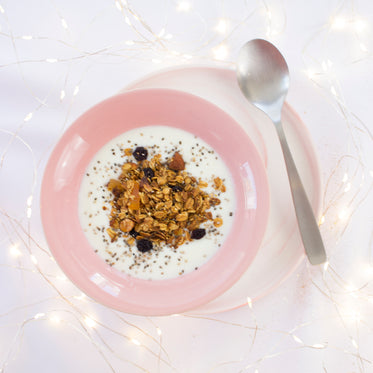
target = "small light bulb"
x: 55, y: 319
x: 135, y: 342
x: 363, y: 47
x: 14, y: 251
x: 127, y: 20
x: 310, y: 73
x: 118, y: 5
x: 33, y: 259
x: 360, y: 25
x: 80, y: 297
x: 339, y: 23
x: 64, y: 24
x: 222, y: 26
x: 27, y: 117
x: 184, y: 6
x: 368, y: 270
x: 90, y: 322
x: 39, y: 315
x: 347, y: 188
x: 349, y: 288
x: 343, y: 215
x: 220, y: 52
x: 318, y: 345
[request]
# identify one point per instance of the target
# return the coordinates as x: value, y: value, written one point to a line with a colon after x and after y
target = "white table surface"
x: 58, y: 58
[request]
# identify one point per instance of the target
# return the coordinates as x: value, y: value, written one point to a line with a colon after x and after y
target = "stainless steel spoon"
x: 263, y: 77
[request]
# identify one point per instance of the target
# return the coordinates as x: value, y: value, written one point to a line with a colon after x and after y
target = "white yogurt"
x: 165, y: 263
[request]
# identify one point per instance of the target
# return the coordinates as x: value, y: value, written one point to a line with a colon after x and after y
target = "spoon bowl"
x: 263, y: 77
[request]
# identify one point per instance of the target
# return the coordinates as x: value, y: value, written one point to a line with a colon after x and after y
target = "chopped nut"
x: 209, y: 215
x: 129, y: 166
x: 160, y: 214
x: 218, y: 222
x: 147, y: 188
x: 175, y: 209
x: 161, y: 181
x: 214, y: 201
x: 114, y: 224
x: 144, y: 198
x: 189, y: 204
x: 159, y: 206
x: 179, y: 232
x: 149, y: 221
x: 112, y: 234
x: 166, y: 190
x: 131, y: 241
x: 114, y: 184
x: 167, y: 205
x: 180, y: 240
x: 178, y: 197
x: 126, y: 225
x: 172, y: 226
x: 218, y: 183
x: 177, y: 162
x: 163, y: 227
x: 182, y: 217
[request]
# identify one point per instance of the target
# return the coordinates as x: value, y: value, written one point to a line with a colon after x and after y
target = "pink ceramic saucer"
x: 61, y: 184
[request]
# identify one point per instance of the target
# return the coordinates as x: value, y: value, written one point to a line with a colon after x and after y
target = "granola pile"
x: 157, y: 202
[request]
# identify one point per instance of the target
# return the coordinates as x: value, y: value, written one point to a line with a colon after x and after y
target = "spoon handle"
x: 308, y: 227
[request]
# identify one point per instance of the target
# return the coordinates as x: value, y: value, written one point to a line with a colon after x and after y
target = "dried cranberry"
x: 140, y: 153
x: 177, y: 188
x: 148, y: 172
x: 144, y: 245
x: 133, y: 233
x: 198, y: 233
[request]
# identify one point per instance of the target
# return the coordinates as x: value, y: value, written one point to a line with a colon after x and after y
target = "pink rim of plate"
x: 66, y: 167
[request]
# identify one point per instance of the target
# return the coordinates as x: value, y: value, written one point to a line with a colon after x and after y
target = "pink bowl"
x: 63, y: 176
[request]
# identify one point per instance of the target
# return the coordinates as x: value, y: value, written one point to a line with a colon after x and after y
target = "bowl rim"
x: 107, y: 297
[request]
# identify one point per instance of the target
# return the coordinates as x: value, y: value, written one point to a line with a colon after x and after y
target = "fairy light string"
x: 348, y: 186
